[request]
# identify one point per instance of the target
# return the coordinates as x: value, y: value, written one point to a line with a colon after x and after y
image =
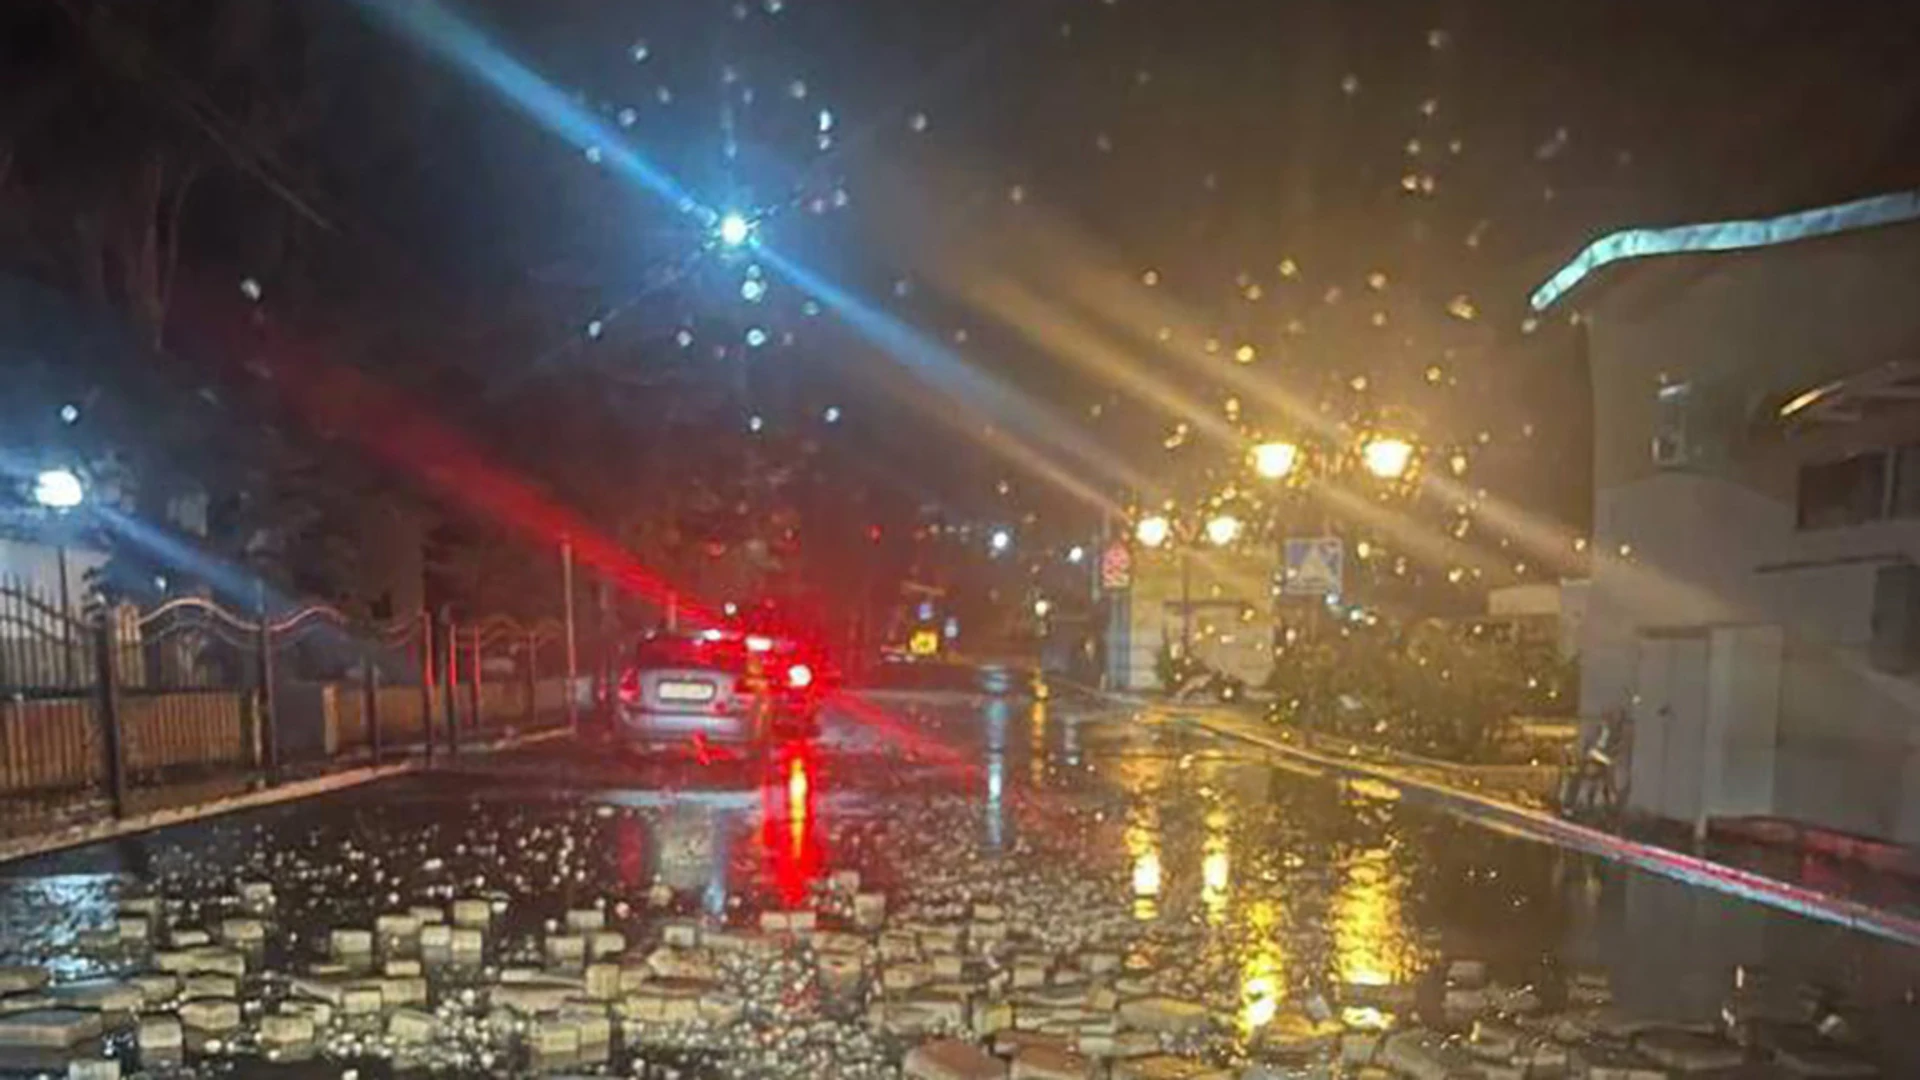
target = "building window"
x: 1845, y: 492
x: 1906, y: 482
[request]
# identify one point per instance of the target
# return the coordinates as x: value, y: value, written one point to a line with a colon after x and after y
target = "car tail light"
x: 799, y: 676
x: 630, y: 687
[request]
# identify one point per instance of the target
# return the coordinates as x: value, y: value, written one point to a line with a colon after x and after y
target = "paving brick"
x: 211, y: 1014
x: 48, y: 1028
x: 951, y: 1059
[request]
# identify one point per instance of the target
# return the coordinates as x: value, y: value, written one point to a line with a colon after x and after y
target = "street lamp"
x: 1275, y: 460
x: 1153, y: 531
x: 59, y: 489
x: 1387, y: 458
x: 1222, y: 529
x: 734, y: 230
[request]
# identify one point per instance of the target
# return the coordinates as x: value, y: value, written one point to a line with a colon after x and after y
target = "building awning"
x: 1868, y: 213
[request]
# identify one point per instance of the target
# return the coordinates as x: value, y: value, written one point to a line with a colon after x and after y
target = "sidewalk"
x: 83, y: 818
x: 1886, y: 906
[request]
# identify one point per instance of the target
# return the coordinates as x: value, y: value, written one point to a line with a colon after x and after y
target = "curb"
x: 16, y: 849
x: 1541, y: 827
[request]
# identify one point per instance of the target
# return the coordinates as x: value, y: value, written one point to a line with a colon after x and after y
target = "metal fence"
x: 104, y: 702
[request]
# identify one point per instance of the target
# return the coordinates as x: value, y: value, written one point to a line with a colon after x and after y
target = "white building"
x: 1755, y: 601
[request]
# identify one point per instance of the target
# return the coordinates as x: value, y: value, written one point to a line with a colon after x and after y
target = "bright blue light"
x: 59, y: 489
x: 445, y: 34
x: 734, y: 230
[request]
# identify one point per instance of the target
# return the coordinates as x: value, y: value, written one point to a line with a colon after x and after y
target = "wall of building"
x: 1716, y: 541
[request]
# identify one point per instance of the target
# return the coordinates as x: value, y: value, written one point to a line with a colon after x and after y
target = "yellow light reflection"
x: 1370, y: 939
x: 1263, y: 972
x: 1216, y: 867
x: 1144, y: 847
x: 1037, y: 724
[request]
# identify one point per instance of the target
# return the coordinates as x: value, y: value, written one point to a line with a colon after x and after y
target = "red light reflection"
x: 790, y: 828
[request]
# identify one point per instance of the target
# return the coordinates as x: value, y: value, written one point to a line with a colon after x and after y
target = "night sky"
x: 1342, y: 203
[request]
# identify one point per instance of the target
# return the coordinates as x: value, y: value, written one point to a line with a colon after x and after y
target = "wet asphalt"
x: 1286, y: 885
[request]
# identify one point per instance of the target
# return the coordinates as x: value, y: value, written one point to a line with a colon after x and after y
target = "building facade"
x: 1752, y: 608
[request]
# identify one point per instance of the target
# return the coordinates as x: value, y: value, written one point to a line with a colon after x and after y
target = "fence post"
x: 533, y: 683
x: 107, y: 710
x: 370, y: 701
x: 475, y: 718
x: 269, y: 740
x: 450, y: 639
x: 426, y: 680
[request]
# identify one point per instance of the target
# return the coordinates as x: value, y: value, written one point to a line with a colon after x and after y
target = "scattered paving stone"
x: 159, y: 1035
x: 350, y: 944
x: 93, y: 1069
x: 1050, y: 1063
x: 1688, y: 1051
x: 1166, y: 1067
x: 412, y: 1026
x: 210, y: 1014
x: 1165, y: 1014
x: 951, y: 1059
x: 1424, y: 1055
x: 472, y: 913
x: 1818, y: 1063
x: 289, y: 1029
x: 245, y: 933
x: 201, y: 960
x: 48, y: 1028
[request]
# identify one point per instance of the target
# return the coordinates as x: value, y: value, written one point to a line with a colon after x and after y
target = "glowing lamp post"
x: 1153, y: 532
x: 1387, y: 458
x: 734, y: 230
x: 60, y: 490
x: 1275, y: 460
x: 1222, y: 530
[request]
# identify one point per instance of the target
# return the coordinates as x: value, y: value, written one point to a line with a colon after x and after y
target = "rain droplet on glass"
x: 628, y: 117
x: 663, y: 95
x: 1150, y: 278
x: 1350, y: 85
x: 640, y: 52
x: 753, y: 290
x: 917, y: 123
x: 595, y: 328
x: 1438, y: 39
x: 1017, y: 194
x: 825, y: 120
x: 1377, y: 280
x: 1461, y: 307
x: 1246, y: 354
x: 250, y: 288
x: 756, y: 337
x: 797, y: 89
x: 683, y: 338
x: 594, y: 154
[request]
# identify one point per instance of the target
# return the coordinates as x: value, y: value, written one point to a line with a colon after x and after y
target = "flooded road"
x: 1281, y: 901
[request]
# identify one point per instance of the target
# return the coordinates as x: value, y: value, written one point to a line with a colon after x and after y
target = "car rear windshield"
x: 723, y: 655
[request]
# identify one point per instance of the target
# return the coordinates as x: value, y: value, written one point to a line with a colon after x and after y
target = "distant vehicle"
x: 725, y: 688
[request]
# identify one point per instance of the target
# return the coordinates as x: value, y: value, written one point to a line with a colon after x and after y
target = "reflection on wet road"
x: 1273, y: 887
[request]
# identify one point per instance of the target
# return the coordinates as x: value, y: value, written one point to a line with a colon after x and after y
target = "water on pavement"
x: 1269, y: 886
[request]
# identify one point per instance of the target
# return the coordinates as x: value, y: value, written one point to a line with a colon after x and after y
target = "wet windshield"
x: 1020, y: 538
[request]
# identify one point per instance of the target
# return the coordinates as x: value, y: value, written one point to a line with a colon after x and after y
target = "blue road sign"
x: 1315, y: 565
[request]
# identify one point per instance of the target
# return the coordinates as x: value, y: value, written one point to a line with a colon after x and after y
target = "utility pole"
x: 573, y: 652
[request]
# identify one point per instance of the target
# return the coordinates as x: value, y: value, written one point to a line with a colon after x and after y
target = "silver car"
x: 713, y: 688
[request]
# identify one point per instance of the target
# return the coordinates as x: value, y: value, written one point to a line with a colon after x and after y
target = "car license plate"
x: 685, y: 691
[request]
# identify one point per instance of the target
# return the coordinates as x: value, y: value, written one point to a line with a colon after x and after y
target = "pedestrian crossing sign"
x: 1314, y: 566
